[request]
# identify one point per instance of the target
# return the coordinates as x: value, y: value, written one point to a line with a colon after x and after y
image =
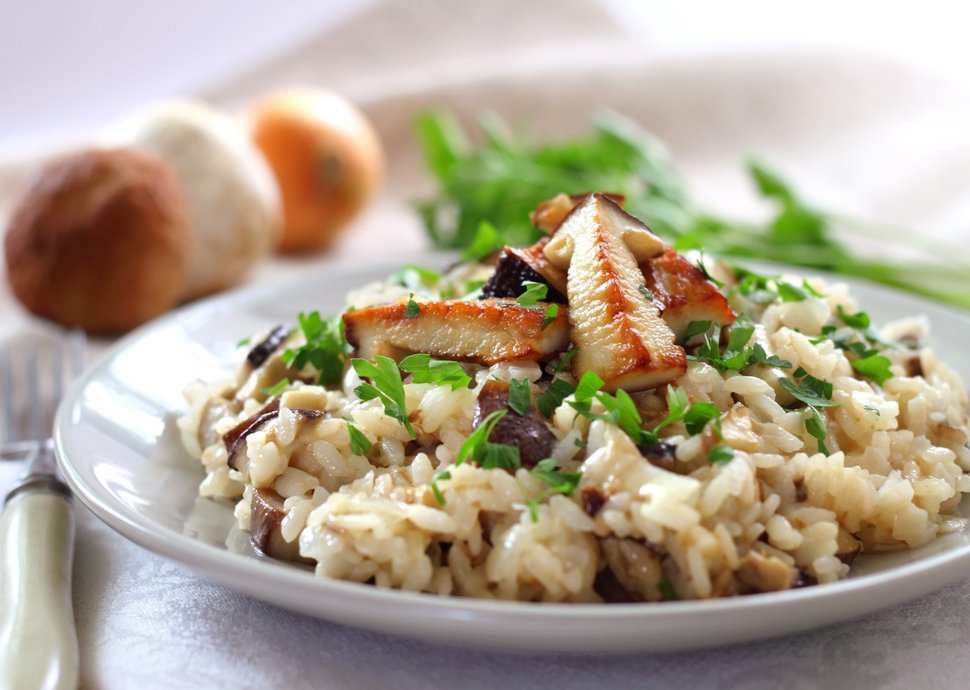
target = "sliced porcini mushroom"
x: 617, y: 330
x: 236, y: 437
x: 765, y: 573
x: 487, y: 331
x: 550, y: 214
x: 683, y: 293
x: 267, y: 346
x: 265, y: 520
x: 529, y: 432
x: 516, y: 266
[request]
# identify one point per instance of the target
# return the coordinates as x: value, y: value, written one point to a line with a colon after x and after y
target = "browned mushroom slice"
x: 516, y: 266
x: 765, y: 573
x: 550, y: 214
x: 618, y: 331
x: 265, y: 518
x: 261, y: 352
x: 683, y: 293
x: 236, y: 437
x: 529, y: 432
x: 486, y: 331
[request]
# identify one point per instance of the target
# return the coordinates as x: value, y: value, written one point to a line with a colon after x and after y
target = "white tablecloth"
x: 145, y: 622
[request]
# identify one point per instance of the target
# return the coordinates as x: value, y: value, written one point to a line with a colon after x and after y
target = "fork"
x: 38, y: 642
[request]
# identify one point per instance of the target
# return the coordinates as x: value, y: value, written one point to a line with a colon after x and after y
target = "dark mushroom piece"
x: 262, y: 351
x: 235, y: 437
x: 517, y: 266
x: 529, y: 432
x: 660, y: 454
x: 265, y: 520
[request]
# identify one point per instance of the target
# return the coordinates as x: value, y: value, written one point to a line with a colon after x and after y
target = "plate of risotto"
x: 594, y: 443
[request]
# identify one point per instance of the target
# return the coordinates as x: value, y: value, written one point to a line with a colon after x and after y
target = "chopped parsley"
x: 791, y: 293
x: 424, y: 369
x: 815, y: 393
x: 275, y: 388
x: 872, y: 408
x: 437, y: 477
x: 416, y: 279
x: 859, y: 320
x: 552, y: 311
x: 737, y: 356
x: 386, y: 385
x: 359, y: 443
x: 621, y: 411
x: 720, y: 455
x: 645, y: 291
x: 874, y: 366
x: 565, y: 360
x: 534, y: 293
x: 553, y: 396
x: 520, y: 396
x: 412, y: 309
x: 559, y: 483
x: 666, y: 589
x: 326, y: 348
x: 485, y: 241
x: 244, y: 342
x: 487, y: 455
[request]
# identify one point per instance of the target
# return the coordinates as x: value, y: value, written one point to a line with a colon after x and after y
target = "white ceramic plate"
x: 119, y: 449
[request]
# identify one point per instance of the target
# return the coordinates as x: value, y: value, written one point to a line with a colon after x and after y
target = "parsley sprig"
x: 621, y: 411
x: 816, y: 394
x: 386, y: 385
x: 326, y: 348
x: 424, y: 369
x: 559, y: 482
x: 486, y: 454
x: 507, y: 166
x: 737, y: 355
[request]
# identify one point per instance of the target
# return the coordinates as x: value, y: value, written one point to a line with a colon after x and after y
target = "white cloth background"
x: 146, y: 622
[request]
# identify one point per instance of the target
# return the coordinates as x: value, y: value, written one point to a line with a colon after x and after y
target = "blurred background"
x: 68, y: 68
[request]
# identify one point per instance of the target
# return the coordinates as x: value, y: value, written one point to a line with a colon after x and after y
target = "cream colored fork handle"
x: 38, y: 643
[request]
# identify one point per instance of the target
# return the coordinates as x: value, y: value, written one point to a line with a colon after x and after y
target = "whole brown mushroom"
x: 100, y: 241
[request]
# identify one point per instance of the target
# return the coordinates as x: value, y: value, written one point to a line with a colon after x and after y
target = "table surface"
x: 144, y: 621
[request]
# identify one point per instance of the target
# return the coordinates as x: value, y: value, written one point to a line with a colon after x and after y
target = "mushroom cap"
x: 101, y: 241
x: 233, y: 200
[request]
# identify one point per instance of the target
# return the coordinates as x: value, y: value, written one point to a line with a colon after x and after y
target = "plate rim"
x: 229, y: 568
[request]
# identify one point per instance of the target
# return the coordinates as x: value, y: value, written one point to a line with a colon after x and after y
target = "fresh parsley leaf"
x: 588, y: 385
x: 579, y: 443
x: 565, y: 360
x: 696, y: 328
x: 811, y: 290
x: 520, y: 396
x: 326, y: 348
x: 275, y: 388
x: 859, y: 320
x: 791, y: 293
x: 386, y: 386
x: 559, y: 483
x: 359, y: 443
x: 875, y: 410
x: 666, y: 589
x: 435, y: 478
x: 416, y: 279
x: 621, y: 411
x: 244, y: 342
x: 534, y: 293
x: 759, y: 356
x: 874, y: 366
x: 553, y: 396
x: 485, y: 241
x: 815, y: 426
x: 552, y: 311
x: 736, y: 355
x: 424, y: 369
x: 412, y: 309
x: 645, y: 291
x: 698, y: 415
x: 811, y: 391
x: 741, y: 331
x: 477, y: 448
x: 720, y: 455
